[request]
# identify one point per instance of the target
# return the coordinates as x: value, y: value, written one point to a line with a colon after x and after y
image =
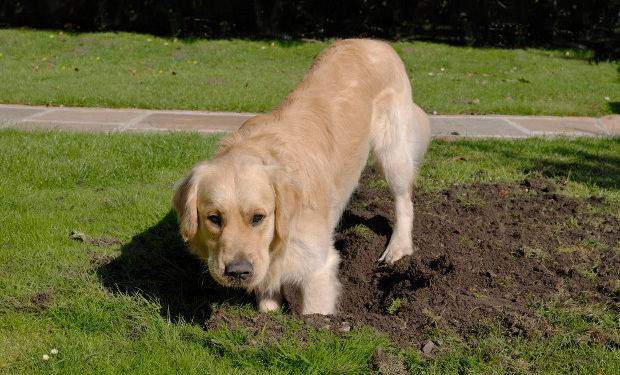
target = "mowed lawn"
x: 132, y: 70
x: 52, y: 294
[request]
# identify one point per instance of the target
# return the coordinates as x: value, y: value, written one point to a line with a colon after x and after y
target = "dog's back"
x: 345, y: 84
x: 327, y: 125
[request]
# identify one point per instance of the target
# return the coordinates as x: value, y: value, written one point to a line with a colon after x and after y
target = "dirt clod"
x: 428, y: 347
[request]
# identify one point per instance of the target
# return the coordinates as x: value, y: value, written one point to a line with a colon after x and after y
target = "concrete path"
x: 139, y: 120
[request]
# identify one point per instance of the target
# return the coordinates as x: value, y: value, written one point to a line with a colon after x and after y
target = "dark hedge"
x: 585, y: 24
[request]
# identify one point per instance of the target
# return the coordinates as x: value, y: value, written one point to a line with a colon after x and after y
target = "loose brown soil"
x: 485, y: 253
x: 41, y: 300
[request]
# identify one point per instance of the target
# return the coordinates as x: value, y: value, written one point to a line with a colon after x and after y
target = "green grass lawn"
x: 52, y: 296
x: 130, y: 70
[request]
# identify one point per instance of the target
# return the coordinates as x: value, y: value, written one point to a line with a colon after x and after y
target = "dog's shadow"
x: 156, y: 265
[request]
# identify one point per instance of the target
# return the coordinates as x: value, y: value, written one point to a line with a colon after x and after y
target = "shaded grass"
x: 588, y: 167
x: 120, y: 186
x: 133, y: 70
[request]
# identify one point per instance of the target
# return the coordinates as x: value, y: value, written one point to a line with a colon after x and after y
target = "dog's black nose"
x: 241, y: 269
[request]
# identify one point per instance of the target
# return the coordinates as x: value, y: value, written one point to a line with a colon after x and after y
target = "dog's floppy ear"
x: 184, y: 202
x: 287, y: 203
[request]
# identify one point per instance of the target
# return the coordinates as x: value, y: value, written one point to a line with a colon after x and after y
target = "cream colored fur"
x: 297, y: 166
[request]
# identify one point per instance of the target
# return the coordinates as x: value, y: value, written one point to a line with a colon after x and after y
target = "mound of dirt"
x: 484, y: 253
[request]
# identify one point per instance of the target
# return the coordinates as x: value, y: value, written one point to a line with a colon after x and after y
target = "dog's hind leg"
x: 402, y: 138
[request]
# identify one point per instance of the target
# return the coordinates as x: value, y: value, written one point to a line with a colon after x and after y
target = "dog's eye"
x: 215, y: 219
x: 256, y: 219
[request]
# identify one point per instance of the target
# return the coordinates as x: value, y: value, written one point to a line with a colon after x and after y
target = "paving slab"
x: 17, y: 113
x: 87, y: 116
x: 611, y: 124
x: 559, y: 126
x: 474, y: 126
x: 80, y: 127
x: 204, y: 122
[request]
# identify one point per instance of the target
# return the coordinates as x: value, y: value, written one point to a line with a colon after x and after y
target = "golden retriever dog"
x: 262, y: 213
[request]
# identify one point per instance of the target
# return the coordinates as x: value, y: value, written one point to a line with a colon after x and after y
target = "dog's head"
x: 235, y: 216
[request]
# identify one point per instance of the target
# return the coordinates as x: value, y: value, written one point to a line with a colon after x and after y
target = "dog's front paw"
x: 268, y: 304
x: 394, y: 252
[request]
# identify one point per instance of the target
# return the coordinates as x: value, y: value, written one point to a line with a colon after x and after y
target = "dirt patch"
x: 41, y: 300
x: 484, y: 254
x: 96, y: 241
x: 215, y: 81
x: 271, y: 328
x: 264, y: 327
x: 388, y: 364
x: 97, y: 259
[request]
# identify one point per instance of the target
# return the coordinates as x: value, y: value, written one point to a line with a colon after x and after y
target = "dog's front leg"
x: 268, y: 301
x: 321, y: 288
